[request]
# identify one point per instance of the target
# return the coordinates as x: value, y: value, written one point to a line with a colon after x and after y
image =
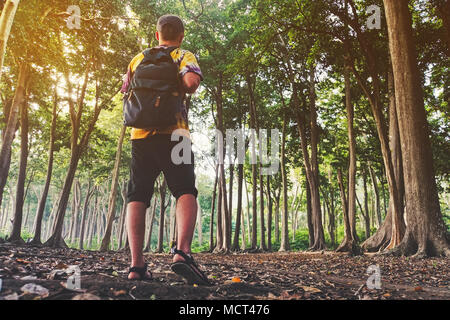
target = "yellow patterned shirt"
x: 186, y: 62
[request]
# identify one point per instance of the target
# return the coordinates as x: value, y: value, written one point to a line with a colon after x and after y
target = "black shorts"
x: 149, y: 157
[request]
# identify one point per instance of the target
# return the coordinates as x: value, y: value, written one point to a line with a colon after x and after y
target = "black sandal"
x: 188, y: 269
x: 141, y: 271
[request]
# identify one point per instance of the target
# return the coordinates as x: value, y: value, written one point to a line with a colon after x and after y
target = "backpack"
x: 153, y: 98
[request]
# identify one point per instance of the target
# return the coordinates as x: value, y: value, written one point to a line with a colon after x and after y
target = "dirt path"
x: 235, y: 276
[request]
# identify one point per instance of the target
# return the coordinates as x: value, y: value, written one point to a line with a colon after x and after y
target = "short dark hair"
x: 170, y: 27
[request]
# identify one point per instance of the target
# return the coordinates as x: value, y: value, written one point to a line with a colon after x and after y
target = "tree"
x: 284, y: 246
x: 113, y: 195
x: 350, y: 242
x: 9, y: 132
x: 425, y: 232
x: 20, y: 189
x: 162, y: 211
x: 51, y: 148
x: 6, y: 21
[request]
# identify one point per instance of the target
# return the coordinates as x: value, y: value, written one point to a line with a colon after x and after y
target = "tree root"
x: 17, y: 241
x: 35, y: 243
x: 380, y: 239
x: 317, y: 247
x: 56, y: 242
x: 350, y: 246
x: 411, y: 248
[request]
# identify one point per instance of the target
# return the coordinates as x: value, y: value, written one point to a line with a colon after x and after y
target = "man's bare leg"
x: 186, y: 212
x: 136, y: 233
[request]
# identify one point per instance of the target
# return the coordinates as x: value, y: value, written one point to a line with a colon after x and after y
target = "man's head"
x: 170, y: 30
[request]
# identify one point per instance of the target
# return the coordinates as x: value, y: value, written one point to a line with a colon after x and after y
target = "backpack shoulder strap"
x: 153, y: 55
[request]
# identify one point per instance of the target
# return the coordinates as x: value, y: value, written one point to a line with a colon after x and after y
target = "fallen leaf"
x: 119, y: 293
x: 310, y: 289
x: 22, y: 261
x: 236, y: 279
x: 61, y: 266
x: 386, y: 295
x: 272, y: 296
x: 418, y: 289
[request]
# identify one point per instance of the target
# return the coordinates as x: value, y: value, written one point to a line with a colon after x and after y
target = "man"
x: 151, y: 154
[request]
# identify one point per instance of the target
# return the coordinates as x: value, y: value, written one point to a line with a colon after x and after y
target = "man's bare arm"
x: 191, y: 82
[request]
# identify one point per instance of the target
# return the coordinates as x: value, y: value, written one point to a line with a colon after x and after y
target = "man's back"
x: 187, y: 63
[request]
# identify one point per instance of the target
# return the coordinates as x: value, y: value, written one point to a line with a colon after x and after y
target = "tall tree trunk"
x: 350, y: 242
x: 309, y: 215
x: 150, y: 225
x: 93, y: 218
x: 230, y: 202
x: 89, y: 193
x: 366, y: 213
x: 311, y: 162
x: 42, y: 201
x: 213, y: 205
x: 269, y: 217
x: 237, y: 229
x: 253, y: 126
x: 11, y: 127
x: 254, y: 208
x: 331, y: 225
x: 6, y: 21
x: 398, y: 223
x: 247, y: 212
x: 219, y: 229
x: 225, y: 243
x: 20, y: 189
x: 262, y: 227
x: 344, y: 202
x: 113, y: 194
x: 426, y: 233
x: 123, y: 212
x: 377, y: 195
x: 366, y: 219
x: 75, y: 209
x: 162, y: 193
x: 199, y: 224
x: 172, y: 225
x: 277, y: 216
x: 243, y: 241
x: 284, y: 245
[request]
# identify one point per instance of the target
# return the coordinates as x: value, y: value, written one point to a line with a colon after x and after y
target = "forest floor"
x: 286, y: 276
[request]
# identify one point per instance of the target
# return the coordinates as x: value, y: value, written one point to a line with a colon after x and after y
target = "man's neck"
x: 169, y: 44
